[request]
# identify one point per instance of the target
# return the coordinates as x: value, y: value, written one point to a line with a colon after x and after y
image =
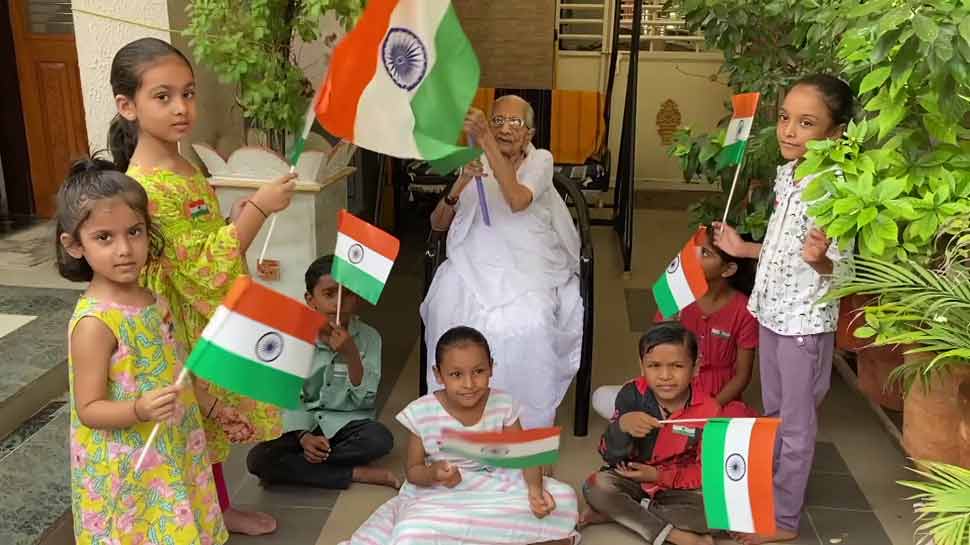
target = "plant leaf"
x: 925, y: 28
x: 874, y: 79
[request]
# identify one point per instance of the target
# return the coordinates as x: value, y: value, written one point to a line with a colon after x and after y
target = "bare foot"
x: 683, y: 537
x: 376, y: 475
x: 779, y: 536
x: 589, y: 517
x: 250, y: 523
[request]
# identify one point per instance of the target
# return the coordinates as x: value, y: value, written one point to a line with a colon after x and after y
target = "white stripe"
x: 679, y: 288
x: 373, y: 262
x: 383, y: 104
x: 311, y: 113
x: 738, y: 129
x: 738, y: 442
x: 515, y: 450
x: 240, y: 334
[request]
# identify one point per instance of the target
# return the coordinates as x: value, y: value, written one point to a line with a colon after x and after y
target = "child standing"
x: 123, y: 368
x: 452, y: 500
x: 329, y: 443
x: 653, y: 473
x: 154, y: 90
x: 727, y: 333
x: 796, y: 262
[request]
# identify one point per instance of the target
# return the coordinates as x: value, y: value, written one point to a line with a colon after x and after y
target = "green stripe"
x: 441, y: 102
x: 298, y: 146
x: 245, y: 376
x: 356, y: 280
x: 713, y: 473
x: 731, y: 155
x: 522, y: 462
x: 665, y: 298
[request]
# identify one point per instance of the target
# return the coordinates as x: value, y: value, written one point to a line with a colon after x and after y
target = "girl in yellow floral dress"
x: 123, y: 368
x: 154, y: 90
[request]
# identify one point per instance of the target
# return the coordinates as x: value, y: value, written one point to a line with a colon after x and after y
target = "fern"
x: 943, y: 503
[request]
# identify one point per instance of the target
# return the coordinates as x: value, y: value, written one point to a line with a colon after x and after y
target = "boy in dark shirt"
x: 653, y: 473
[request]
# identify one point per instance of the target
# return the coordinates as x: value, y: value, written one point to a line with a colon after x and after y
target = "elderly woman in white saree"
x: 515, y: 280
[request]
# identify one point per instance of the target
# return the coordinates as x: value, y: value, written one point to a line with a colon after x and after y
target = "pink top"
x: 719, y: 336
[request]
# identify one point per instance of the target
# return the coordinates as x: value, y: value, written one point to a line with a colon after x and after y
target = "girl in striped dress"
x: 449, y: 500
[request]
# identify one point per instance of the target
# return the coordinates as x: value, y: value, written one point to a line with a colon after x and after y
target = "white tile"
x: 11, y: 322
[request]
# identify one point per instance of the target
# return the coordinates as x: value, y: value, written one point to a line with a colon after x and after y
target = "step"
x: 33, y: 351
x: 36, y: 491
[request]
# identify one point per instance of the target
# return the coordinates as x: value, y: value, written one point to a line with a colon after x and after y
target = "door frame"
x: 18, y: 183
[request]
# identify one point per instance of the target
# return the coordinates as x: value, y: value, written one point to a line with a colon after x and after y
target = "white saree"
x: 517, y: 282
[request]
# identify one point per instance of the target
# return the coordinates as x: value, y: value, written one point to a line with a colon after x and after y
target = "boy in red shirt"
x: 651, y: 480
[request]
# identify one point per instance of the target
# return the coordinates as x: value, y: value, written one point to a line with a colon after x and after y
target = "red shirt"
x: 719, y: 337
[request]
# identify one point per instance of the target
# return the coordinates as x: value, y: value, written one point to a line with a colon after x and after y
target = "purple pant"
x: 795, y: 375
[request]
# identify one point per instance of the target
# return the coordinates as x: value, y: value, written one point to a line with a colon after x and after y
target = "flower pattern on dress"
x: 172, y: 501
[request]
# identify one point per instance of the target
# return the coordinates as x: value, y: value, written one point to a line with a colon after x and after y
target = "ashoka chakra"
x: 269, y: 346
x: 355, y: 254
x: 405, y: 58
x: 735, y: 467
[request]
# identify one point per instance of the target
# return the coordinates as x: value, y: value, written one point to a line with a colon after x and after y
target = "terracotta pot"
x: 964, y: 397
x: 935, y: 425
x: 875, y: 363
x: 850, y: 319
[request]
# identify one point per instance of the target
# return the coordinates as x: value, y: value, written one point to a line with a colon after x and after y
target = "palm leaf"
x: 943, y: 503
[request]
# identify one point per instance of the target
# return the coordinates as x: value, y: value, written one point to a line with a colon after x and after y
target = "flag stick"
x: 734, y: 184
x: 481, y: 191
x: 269, y: 234
x: 340, y: 293
x: 684, y: 421
x: 154, y: 433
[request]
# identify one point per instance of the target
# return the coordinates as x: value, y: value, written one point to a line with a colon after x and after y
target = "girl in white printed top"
x: 796, y: 264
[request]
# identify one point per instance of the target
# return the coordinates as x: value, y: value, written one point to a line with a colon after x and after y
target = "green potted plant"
x: 943, y: 503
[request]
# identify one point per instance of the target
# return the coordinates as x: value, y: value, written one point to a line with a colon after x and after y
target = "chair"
x: 573, y: 196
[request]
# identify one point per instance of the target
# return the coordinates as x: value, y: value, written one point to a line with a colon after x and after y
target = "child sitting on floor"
x: 726, y: 332
x: 653, y: 473
x: 329, y: 443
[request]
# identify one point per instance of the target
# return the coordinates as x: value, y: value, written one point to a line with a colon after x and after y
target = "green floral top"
x: 200, y: 261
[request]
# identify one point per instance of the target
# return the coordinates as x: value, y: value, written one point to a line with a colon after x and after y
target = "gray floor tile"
x: 835, y: 492
x: 296, y: 527
x: 828, y: 459
x: 253, y: 493
x: 848, y: 527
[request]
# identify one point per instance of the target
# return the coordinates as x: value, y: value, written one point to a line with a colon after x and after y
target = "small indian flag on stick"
x: 511, y: 449
x: 258, y: 343
x: 738, y: 131
x: 683, y: 282
x: 736, y: 467
x: 363, y: 257
x: 400, y: 83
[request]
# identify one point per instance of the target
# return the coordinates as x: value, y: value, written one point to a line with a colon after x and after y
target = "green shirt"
x: 330, y: 400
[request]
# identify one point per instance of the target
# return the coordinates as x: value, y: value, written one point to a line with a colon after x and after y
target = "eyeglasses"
x: 513, y: 122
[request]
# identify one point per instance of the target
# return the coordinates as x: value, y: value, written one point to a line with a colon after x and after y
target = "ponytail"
x: 122, y: 139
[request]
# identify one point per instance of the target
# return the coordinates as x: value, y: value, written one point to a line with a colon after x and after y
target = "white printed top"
x: 787, y: 289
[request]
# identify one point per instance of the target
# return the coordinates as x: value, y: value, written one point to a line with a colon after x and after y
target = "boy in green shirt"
x: 329, y: 443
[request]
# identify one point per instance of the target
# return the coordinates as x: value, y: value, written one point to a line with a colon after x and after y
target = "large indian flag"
x: 401, y: 82
x: 363, y: 257
x: 683, y: 282
x: 258, y: 343
x: 736, y: 467
x: 512, y: 449
x: 738, y: 131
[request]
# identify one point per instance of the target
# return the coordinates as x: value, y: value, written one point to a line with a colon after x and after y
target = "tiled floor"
x: 852, y: 498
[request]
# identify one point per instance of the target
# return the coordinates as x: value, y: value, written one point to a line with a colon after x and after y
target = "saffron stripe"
x: 693, y: 271
x: 745, y: 104
x: 368, y: 235
x: 507, y: 437
x: 274, y: 309
x: 760, y: 478
x: 240, y: 334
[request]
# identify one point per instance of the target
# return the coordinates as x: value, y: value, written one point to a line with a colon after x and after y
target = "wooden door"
x: 50, y: 87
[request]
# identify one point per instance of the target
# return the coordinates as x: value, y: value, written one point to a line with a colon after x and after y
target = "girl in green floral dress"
x: 123, y: 369
x: 154, y: 89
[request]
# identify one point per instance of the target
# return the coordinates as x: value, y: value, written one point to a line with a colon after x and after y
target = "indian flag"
x: 683, y: 282
x: 736, y: 467
x: 300, y: 142
x: 401, y: 82
x: 512, y: 449
x: 738, y: 131
x: 363, y: 257
x: 258, y: 343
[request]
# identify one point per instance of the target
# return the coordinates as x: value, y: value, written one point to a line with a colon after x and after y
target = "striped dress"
x: 489, y: 506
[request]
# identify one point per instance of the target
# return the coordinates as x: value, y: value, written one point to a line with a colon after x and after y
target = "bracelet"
x: 134, y: 409
x: 451, y: 201
x: 212, y: 407
x: 261, y: 211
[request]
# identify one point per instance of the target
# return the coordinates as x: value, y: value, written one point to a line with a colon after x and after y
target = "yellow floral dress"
x: 201, y: 259
x: 173, y: 498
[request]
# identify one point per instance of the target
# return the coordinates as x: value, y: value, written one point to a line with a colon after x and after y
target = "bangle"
x: 451, y: 201
x: 261, y: 211
x: 212, y: 407
x: 134, y: 409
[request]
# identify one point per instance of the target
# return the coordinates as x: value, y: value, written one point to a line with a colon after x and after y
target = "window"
x: 584, y: 26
